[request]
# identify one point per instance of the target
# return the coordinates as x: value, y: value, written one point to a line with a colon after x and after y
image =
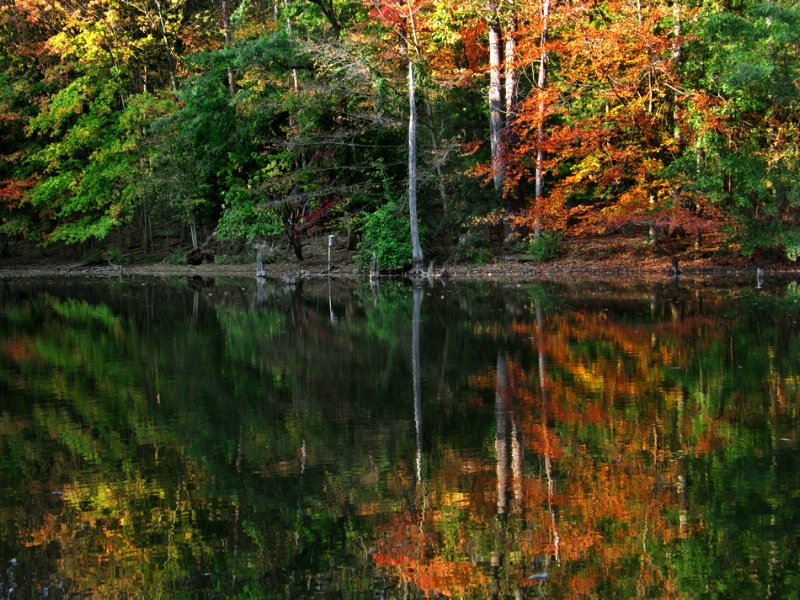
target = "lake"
x: 191, y: 438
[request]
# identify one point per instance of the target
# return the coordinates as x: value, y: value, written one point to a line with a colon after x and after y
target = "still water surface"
x: 215, y: 439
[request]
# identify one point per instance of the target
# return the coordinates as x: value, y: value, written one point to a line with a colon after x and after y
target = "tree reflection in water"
x: 160, y: 438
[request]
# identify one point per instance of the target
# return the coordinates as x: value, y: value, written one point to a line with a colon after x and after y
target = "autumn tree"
x: 93, y: 60
x: 604, y: 115
x: 742, y: 145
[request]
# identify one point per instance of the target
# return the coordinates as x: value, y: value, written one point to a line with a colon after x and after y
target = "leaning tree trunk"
x: 514, y: 201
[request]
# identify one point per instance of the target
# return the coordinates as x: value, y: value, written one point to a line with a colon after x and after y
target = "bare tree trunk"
x: 145, y: 230
x: 495, y: 98
x: 193, y: 233
x: 260, y: 272
x: 170, y: 64
x: 512, y: 81
x: 436, y: 155
x: 417, y: 258
x: 541, y: 132
x: 652, y: 228
x: 511, y: 75
x: 514, y: 202
x: 226, y: 27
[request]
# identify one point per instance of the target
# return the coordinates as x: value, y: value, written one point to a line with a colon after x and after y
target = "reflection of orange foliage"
x: 710, y: 439
x: 448, y: 578
x: 543, y: 440
x: 404, y: 541
x: 409, y: 546
x: 597, y: 409
x: 18, y: 350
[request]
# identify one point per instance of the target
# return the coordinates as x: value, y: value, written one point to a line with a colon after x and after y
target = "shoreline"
x: 612, y: 259
x: 563, y: 271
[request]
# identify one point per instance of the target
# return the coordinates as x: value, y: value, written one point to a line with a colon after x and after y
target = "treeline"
x: 254, y: 119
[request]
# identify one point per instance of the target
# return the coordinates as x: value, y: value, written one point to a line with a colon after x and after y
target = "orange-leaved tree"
x: 606, y: 122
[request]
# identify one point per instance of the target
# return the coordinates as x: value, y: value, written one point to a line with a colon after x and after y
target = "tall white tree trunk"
x: 496, y: 119
x: 511, y: 74
x: 417, y: 258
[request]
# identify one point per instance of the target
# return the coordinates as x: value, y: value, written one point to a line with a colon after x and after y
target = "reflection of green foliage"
x: 232, y: 445
x: 83, y: 313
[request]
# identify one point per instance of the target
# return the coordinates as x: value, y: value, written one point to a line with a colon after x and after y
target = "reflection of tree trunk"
x: 415, y: 366
x: 517, y: 467
x: 500, y: 441
x: 501, y: 448
x: 774, y: 551
x: 259, y: 291
x: 555, y: 536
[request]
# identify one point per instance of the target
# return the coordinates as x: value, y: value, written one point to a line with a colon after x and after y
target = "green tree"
x: 744, y: 151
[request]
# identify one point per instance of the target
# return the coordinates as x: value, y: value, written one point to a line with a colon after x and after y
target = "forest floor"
x: 622, y: 256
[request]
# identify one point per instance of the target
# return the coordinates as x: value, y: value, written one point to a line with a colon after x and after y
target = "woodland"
x: 415, y: 130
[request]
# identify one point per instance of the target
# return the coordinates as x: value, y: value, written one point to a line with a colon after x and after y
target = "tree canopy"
x: 261, y: 119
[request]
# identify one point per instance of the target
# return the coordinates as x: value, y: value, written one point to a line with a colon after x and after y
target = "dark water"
x: 204, y: 439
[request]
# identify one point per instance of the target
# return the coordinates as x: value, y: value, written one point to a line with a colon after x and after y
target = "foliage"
x: 256, y: 120
x: 176, y: 258
x: 473, y: 245
x: 243, y: 258
x: 388, y: 235
x: 245, y: 218
x: 546, y: 247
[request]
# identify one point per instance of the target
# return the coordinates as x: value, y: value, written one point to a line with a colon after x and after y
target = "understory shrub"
x: 548, y: 247
x: 386, y: 232
x: 473, y: 246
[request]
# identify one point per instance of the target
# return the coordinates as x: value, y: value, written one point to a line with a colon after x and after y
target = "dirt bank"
x: 607, y: 258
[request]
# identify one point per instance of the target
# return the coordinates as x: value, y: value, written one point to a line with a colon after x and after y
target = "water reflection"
x: 244, y: 437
